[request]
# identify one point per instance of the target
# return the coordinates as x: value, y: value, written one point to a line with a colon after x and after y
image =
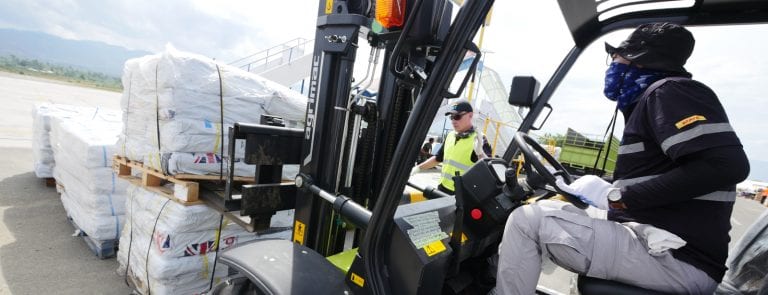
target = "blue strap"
x: 112, y: 208
x: 117, y: 228
x: 104, y: 158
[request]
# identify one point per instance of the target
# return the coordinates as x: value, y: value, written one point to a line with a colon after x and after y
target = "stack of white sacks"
x: 169, y: 248
x: 42, y: 153
x: 174, y: 105
x: 92, y: 195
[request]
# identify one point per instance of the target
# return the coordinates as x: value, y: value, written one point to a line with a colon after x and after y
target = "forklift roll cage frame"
x: 582, y: 18
x: 422, y: 67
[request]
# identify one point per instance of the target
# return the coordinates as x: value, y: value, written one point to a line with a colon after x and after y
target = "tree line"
x: 34, y: 67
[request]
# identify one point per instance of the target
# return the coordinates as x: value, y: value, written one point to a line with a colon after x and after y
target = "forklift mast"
x: 333, y: 62
x: 421, y: 57
x: 332, y: 139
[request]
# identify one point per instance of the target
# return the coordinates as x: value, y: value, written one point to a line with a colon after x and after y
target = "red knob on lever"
x: 476, y: 214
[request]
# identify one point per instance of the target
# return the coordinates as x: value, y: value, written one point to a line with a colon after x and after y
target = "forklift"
x: 350, y: 233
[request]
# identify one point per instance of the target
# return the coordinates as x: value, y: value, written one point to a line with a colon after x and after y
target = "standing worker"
x: 669, y: 208
x: 426, y: 150
x: 462, y: 147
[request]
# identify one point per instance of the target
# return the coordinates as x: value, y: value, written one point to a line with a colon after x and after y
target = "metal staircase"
x: 285, y: 63
x: 493, y: 115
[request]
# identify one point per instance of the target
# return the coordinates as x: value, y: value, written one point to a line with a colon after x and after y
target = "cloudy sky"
x: 524, y: 38
x: 224, y: 29
x: 532, y: 40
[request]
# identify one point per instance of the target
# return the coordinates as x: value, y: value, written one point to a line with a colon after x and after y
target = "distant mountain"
x: 87, y: 55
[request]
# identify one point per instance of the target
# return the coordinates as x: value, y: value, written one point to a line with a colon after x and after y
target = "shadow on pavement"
x: 38, y: 254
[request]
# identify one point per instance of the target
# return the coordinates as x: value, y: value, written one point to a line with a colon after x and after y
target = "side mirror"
x: 524, y: 91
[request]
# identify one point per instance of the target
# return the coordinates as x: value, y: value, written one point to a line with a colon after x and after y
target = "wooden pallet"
x: 184, y: 192
x: 186, y: 187
x: 102, y: 249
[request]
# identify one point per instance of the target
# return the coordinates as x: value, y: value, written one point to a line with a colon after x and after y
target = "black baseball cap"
x: 459, y: 106
x: 659, y: 46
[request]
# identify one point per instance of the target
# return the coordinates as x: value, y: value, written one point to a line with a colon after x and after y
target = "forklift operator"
x: 669, y: 207
x: 462, y: 147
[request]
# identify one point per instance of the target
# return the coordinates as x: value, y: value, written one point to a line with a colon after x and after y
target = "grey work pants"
x: 594, y: 247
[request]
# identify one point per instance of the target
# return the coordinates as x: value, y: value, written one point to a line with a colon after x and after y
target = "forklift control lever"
x: 428, y: 191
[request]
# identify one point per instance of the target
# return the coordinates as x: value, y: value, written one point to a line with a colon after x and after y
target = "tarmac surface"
x: 39, y: 255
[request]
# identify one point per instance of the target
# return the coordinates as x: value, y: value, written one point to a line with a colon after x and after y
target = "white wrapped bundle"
x: 42, y: 153
x: 203, y: 163
x: 176, y: 84
x: 104, y: 203
x: 135, y: 139
x: 98, y: 227
x: 178, y: 218
x: 176, y: 102
x: 93, y: 196
x: 193, y: 273
x: 178, y: 243
x: 88, y: 140
x: 197, y: 136
x: 169, y: 244
x: 209, y: 163
x: 97, y: 180
x: 174, y: 216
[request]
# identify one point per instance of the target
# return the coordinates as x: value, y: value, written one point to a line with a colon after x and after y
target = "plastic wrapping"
x: 90, y: 139
x: 211, y: 164
x: 42, y: 153
x: 108, y: 202
x: 84, y: 176
x: 176, y: 102
x: 172, y: 247
x: 98, y: 227
x: 83, y: 145
x: 185, y: 275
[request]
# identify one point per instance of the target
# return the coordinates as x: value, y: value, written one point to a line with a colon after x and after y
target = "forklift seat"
x: 595, y: 286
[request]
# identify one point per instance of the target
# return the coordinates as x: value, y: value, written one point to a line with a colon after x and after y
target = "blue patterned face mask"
x: 625, y: 83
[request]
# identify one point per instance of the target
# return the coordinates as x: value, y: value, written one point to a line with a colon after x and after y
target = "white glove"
x: 590, y: 189
x: 657, y: 240
x: 415, y: 170
x: 478, y: 148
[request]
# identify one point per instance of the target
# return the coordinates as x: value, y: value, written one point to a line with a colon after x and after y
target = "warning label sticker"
x: 299, y: 230
x: 426, y: 229
x: 433, y: 248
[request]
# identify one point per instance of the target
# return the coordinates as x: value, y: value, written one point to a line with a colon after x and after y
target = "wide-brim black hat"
x: 659, y: 46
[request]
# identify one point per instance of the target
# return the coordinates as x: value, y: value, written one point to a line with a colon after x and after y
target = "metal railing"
x: 272, y: 57
x: 495, y: 127
x: 587, y: 141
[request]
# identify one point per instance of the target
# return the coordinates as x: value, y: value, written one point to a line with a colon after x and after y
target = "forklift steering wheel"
x: 525, y: 142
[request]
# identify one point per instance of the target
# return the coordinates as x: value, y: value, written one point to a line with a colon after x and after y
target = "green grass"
x: 68, y: 74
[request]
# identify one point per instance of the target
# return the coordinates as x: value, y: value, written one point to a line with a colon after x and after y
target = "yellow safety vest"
x: 457, y: 156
